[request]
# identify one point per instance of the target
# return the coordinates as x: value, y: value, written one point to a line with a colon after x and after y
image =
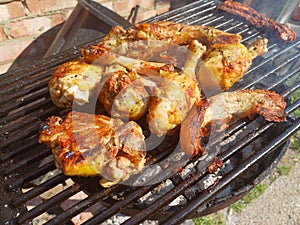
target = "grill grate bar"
x: 8, y: 153
x: 60, y: 178
x: 291, y: 89
x: 273, y: 57
x: 189, y: 19
x: 166, y: 198
x: 284, y: 64
x: 27, y: 111
x: 177, y: 13
x: 294, y: 106
x: 106, y: 214
x: 24, y: 89
x: 28, y: 119
x: 15, y: 137
x: 204, y: 197
x: 82, y: 205
x: 22, y: 135
x: 50, y: 203
x: 39, y: 66
x: 36, y: 96
x: 33, y: 175
x: 41, y: 152
x: 281, y: 80
x: 25, y: 86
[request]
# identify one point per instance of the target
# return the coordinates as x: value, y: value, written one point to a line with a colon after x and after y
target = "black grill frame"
x: 25, y: 103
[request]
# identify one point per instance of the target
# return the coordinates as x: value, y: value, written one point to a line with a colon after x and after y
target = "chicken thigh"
x: 95, y: 145
x: 218, y: 112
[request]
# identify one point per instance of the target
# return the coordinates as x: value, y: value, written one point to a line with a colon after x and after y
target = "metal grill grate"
x: 27, y: 169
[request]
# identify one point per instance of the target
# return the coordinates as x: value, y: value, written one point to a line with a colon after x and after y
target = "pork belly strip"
x: 218, y: 112
x: 284, y: 32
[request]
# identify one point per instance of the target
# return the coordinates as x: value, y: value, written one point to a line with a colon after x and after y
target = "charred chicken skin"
x: 218, y: 112
x: 91, y: 145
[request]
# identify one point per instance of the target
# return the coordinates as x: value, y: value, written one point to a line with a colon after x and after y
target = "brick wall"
x: 28, y: 27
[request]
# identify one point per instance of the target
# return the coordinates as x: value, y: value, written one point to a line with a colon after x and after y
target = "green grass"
x: 238, y: 206
x: 295, y: 142
x: 213, y: 219
x: 253, y: 194
x: 296, y: 139
x: 284, y: 170
x: 295, y: 96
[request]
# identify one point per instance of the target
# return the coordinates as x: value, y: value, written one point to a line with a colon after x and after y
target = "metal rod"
x: 39, y: 189
x: 33, y: 174
x: 54, y: 201
x: 82, y: 205
x: 113, y: 209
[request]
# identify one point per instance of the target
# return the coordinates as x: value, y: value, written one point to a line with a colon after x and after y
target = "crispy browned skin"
x: 171, y: 100
x: 123, y: 95
x: 73, y: 81
x: 182, y: 34
x: 219, y: 111
x: 147, y: 40
x: 227, y: 63
x: 89, y: 145
x: 285, y: 32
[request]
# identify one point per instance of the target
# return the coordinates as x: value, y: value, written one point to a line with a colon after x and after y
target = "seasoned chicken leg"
x: 171, y: 100
x: 91, y: 145
x: 219, y: 111
x: 147, y: 40
x: 123, y: 95
x: 172, y: 94
x: 74, y: 81
x: 225, y: 64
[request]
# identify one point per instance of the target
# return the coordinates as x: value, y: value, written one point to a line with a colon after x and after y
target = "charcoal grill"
x: 249, y: 149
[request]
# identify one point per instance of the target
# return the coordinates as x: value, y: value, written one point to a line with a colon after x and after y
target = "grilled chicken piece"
x: 225, y: 64
x: 147, y: 40
x: 181, y: 34
x: 172, y: 94
x: 171, y: 99
x: 123, y: 95
x: 74, y: 81
x: 195, y: 52
x: 91, y: 145
x: 218, y: 112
